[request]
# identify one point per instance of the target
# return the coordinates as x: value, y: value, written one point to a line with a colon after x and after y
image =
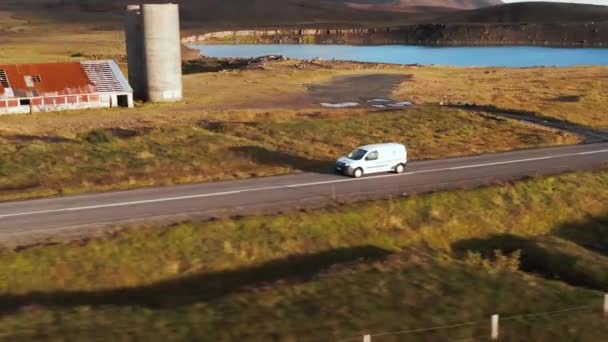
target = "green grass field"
x: 334, y: 273
x: 273, y: 124
x: 33, y: 165
x: 324, y: 275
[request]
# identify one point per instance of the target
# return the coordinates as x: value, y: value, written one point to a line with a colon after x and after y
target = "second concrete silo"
x: 135, y: 51
x: 153, y: 35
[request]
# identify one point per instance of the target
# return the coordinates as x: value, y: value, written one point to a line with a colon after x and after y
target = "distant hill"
x: 226, y: 13
x: 273, y: 12
x: 529, y: 12
x: 416, y: 6
x: 205, y: 15
x: 275, y: 5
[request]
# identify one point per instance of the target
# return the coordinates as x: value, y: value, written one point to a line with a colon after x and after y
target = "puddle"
x: 340, y: 105
x: 374, y: 103
x: 401, y: 104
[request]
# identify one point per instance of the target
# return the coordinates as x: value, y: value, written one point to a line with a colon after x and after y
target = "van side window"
x: 372, y: 156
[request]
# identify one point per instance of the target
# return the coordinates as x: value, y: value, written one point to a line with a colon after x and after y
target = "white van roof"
x: 379, y: 146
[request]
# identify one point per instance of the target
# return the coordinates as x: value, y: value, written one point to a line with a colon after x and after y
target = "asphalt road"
x: 275, y: 194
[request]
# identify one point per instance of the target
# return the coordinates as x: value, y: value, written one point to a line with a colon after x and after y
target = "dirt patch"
x: 356, y: 88
x: 206, y: 64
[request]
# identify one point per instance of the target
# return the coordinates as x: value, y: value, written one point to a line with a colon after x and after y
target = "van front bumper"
x: 343, y: 169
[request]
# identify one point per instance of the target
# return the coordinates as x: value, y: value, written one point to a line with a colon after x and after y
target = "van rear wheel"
x: 358, y: 173
x: 399, y: 168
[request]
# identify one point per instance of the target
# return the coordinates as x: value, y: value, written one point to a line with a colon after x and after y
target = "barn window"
x: 24, y: 102
x: 4, y: 79
x: 29, y: 81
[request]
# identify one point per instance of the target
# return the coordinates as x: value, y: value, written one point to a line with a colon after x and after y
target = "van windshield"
x: 357, y: 154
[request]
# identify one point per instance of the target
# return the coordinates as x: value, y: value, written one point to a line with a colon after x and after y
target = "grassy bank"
x: 579, y: 97
x: 266, y: 119
x: 320, y: 275
x: 428, y: 260
x: 39, y: 37
x: 401, y: 294
x: 574, y: 94
x: 117, y: 158
x: 571, y: 94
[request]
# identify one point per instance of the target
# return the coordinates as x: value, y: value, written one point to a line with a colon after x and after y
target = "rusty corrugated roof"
x: 46, y: 79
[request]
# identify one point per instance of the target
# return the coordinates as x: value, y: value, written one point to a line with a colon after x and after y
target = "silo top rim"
x: 140, y: 6
x: 170, y: 4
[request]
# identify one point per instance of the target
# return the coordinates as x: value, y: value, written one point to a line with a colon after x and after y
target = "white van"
x: 372, y: 159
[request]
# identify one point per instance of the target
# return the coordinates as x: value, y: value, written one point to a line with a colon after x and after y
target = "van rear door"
x: 396, y: 157
x: 390, y: 158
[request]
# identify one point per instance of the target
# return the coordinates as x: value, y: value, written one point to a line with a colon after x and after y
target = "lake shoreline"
x: 577, y: 35
x: 500, y: 56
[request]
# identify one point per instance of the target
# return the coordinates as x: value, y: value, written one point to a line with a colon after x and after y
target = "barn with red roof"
x: 29, y: 88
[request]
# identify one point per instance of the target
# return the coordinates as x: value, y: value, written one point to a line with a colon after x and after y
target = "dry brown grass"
x: 578, y: 94
x: 274, y: 108
x: 33, y: 38
x: 273, y: 115
x: 575, y: 94
x: 194, y: 149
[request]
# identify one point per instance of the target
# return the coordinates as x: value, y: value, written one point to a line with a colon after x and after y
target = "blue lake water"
x: 520, y: 56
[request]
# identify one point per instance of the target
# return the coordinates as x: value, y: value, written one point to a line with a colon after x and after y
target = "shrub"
x: 98, y: 136
x: 500, y: 262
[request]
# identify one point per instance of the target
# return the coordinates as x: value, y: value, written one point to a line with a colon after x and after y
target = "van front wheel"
x: 358, y: 173
x: 399, y: 168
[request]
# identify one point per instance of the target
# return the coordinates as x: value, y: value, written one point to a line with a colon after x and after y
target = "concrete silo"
x: 135, y: 51
x: 154, y: 48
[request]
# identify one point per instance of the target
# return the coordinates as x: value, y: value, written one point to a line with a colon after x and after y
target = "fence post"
x: 367, y: 338
x: 495, y: 319
x: 606, y: 305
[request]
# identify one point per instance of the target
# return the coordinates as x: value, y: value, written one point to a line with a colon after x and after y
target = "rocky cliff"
x: 566, y: 35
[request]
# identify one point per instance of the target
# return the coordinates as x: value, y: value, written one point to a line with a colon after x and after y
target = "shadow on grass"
x: 203, y: 287
x: 126, y: 133
x: 589, y: 135
x: 544, y: 259
x: 264, y: 156
x: 567, y: 98
x: 26, y: 138
x: 591, y: 234
x: 18, y: 187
